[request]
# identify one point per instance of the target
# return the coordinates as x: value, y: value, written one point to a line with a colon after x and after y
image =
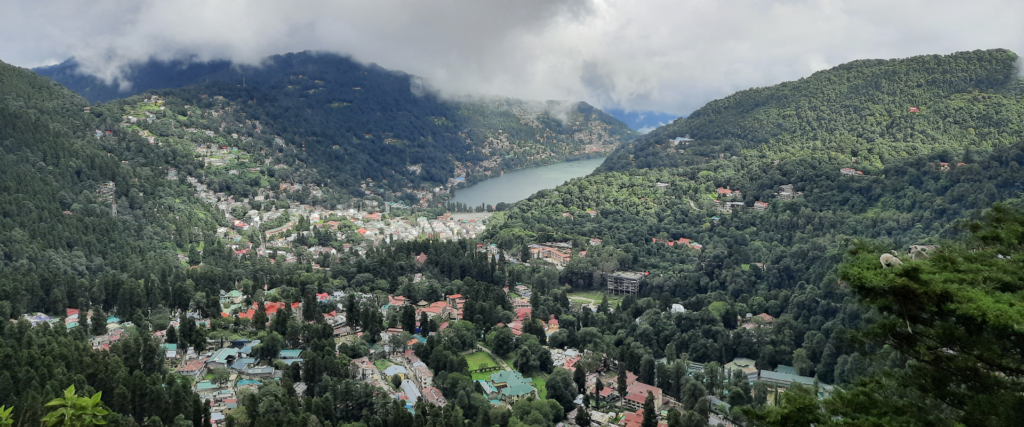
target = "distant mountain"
x: 138, y: 78
x: 371, y: 129
x: 876, y: 111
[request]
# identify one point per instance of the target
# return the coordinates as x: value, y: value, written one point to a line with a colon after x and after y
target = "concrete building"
x: 624, y: 282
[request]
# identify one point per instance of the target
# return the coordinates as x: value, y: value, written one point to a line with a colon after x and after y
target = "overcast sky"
x: 665, y: 56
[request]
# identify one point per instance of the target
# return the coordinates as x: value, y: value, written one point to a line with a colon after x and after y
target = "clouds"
x: 658, y: 55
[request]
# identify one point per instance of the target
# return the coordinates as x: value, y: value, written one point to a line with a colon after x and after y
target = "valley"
x: 287, y: 250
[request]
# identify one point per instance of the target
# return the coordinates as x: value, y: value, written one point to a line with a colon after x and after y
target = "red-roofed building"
x: 433, y: 395
x: 914, y: 110
x: 372, y: 217
x: 422, y: 258
x: 397, y: 300
x: 636, y: 393
x: 523, y: 312
x: 635, y: 419
x: 323, y: 297
x: 362, y: 231
x: 72, y: 311
x: 516, y: 327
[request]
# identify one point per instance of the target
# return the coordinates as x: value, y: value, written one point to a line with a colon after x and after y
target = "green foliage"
x: 74, y: 411
x: 5, y: 416
x: 956, y: 316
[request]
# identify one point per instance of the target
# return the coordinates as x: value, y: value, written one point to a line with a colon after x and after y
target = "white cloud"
x: 658, y: 55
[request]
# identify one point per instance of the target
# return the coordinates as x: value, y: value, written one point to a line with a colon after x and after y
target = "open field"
x: 480, y: 360
x: 541, y: 382
x: 594, y: 297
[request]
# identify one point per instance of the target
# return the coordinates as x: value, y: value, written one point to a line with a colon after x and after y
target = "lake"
x: 520, y: 184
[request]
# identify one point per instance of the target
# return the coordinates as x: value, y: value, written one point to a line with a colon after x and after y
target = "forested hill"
x: 872, y: 110
x: 373, y: 129
x: 61, y: 245
x: 138, y: 78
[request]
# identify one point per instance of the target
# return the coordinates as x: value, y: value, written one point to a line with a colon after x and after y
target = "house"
x: 552, y: 326
x: 512, y: 386
x: 393, y: 370
x: 635, y: 419
x: 743, y: 365
x: 423, y: 374
x: 231, y: 298
x: 421, y: 258
x: 557, y: 256
x: 243, y: 363
x: 850, y: 171
x: 193, y: 368
x: 636, y: 394
x: 727, y: 193
x: 289, y: 354
x: 914, y: 110
x: 783, y: 376
x: 410, y: 390
x: 170, y: 350
x: 246, y: 350
x: 222, y: 358
x: 364, y: 369
x: 433, y: 395
x: 760, y: 206
x: 490, y: 391
x: 595, y: 242
x: 678, y: 308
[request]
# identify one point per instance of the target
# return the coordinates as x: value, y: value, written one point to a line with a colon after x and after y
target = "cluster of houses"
x: 237, y: 358
x: 281, y: 240
x: 682, y: 242
x: 729, y: 200
x: 558, y: 254
x: 450, y: 309
x: 417, y: 380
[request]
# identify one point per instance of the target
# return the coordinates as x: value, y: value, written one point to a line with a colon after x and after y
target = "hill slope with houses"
x: 371, y: 129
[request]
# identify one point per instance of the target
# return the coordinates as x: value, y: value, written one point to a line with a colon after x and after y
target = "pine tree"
x: 650, y: 415
x: 99, y: 322
x: 622, y: 380
x: 582, y: 417
x: 580, y: 378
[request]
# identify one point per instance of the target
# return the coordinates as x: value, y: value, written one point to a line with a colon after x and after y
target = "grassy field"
x: 480, y: 360
x: 541, y: 382
x: 382, y: 364
x: 594, y: 296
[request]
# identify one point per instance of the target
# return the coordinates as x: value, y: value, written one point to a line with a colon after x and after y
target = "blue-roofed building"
x: 410, y: 390
x: 113, y: 319
x: 242, y: 363
x: 396, y: 370
x: 222, y: 358
x: 246, y: 350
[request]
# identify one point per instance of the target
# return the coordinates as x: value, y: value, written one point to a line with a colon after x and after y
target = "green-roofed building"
x: 289, y: 354
x: 512, y: 386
